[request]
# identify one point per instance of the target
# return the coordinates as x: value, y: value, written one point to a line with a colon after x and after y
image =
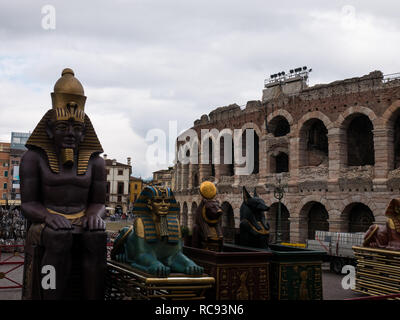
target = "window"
x: 5, y: 186
x: 107, y: 199
x: 120, y: 187
x: 119, y: 199
x: 120, y: 172
x: 6, y: 173
x: 108, y: 187
x: 136, y: 186
x: 16, y: 140
x: 108, y: 171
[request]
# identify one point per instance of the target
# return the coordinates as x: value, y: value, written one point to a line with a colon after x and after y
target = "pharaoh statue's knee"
x: 57, y: 240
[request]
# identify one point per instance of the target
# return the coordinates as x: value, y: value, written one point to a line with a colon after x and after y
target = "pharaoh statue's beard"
x: 67, y: 157
x: 163, y: 226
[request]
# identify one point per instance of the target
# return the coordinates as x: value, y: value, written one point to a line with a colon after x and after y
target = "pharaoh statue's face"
x: 160, y: 205
x: 66, y: 134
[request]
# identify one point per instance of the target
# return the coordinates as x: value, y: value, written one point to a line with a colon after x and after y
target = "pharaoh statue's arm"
x: 31, y: 206
x: 97, y: 196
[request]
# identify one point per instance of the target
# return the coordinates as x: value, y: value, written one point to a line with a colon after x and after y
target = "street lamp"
x: 279, y: 192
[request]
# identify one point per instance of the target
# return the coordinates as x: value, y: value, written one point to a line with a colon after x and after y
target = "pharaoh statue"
x: 63, y: 198
x: 387, y: 236
x: 153, y: 244
x: 207, y: 230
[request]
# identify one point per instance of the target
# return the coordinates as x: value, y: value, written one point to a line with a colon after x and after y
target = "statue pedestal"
x: 296, y: 273
x: 126, y: 283
x: 279, y: 273
x: 378, y: 271
x: 241, y: 273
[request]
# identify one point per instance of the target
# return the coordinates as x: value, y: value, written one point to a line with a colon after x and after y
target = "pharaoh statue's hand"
x: 93, y: 223
x: 57, y: 222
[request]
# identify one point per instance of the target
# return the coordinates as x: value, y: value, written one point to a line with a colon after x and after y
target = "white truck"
x: 338, y: 246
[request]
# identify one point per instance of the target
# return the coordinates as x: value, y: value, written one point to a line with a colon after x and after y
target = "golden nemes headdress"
x: 68, y: 102
x: 141, y: 210
x: 208, y: 190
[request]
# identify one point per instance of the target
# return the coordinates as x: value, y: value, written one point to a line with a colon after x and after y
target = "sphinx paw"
x: 194, y: 270
x: 121, y: 257
x: 159, y: 270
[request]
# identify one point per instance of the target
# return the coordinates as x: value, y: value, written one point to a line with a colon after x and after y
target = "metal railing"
x: 391, y: 77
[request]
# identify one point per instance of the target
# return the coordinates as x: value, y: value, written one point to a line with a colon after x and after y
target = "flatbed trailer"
x: 338, y: 246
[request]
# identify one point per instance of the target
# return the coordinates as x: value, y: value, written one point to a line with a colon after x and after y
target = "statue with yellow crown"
x: 207, y: 230
x: 63, y: 198
x: 153, y: 244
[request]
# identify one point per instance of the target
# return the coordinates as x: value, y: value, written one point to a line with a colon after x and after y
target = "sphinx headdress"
x: 68, y: 101
x: 141, y: 210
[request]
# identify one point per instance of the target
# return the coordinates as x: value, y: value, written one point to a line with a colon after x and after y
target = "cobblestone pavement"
x: 332, y: 289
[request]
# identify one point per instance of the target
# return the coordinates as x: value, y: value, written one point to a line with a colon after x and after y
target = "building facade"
x: 334, y: 148
x: 17, y: 148
x: 4, y: 171
x: 135, y: 187
x: 164, y: 178
x: 117, y: 193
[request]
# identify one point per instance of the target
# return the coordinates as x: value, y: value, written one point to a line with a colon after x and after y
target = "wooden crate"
x: 378, y: 271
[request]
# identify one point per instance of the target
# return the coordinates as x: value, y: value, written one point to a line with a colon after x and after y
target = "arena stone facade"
x: 335, y: 147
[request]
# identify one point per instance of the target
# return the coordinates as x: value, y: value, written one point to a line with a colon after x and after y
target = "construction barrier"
x: 11, y: 259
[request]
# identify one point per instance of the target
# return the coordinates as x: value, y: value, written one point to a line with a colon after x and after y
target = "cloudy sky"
x: 148, y: 64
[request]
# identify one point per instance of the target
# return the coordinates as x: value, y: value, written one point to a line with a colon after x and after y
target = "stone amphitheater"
x: 335, y: 148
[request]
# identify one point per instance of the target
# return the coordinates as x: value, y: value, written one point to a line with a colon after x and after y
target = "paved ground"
x: 114, y: 226
x: 332, y: 289
x: 13, y: 272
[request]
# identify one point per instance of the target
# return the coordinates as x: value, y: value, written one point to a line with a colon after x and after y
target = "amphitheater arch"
x: 228, y: 222
x: 185, y: 215
x: 280, y: 112
x: 391, y: 123
x: 357, y: 217
x: 279, y: 126
x: 193, y: 211
x: 313, y: 142
x: 313, y: 217
x: 272, y: 218
x: 346, y: 116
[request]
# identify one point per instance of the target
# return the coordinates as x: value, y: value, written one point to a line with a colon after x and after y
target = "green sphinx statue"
x: 153, y: 243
